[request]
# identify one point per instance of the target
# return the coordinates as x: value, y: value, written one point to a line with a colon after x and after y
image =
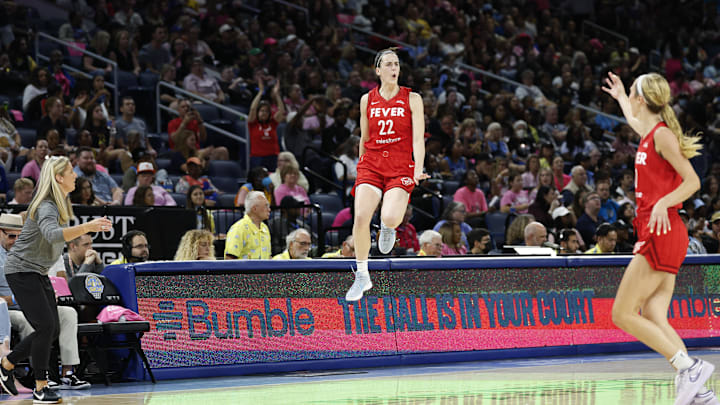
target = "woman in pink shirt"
x: 290, y: 175
x: 559, y: 177
x: 472, y: 197
x: 33, y: 167
x: 452, y: 239
x: 515, y: 199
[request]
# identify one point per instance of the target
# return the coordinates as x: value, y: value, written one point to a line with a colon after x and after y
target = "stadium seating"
x: 226, y: 184
x: 180, y: 199
x: 226, y: 200
x: 225, y: 168
x: 330, y: 203
x: 495, y: 222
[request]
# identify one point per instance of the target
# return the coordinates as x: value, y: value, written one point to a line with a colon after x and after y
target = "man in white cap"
x: 10, y: 228
x: 146, y: 177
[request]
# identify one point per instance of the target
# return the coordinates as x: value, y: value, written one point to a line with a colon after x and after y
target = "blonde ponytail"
x: 655, y: 90
x: 689, y: 145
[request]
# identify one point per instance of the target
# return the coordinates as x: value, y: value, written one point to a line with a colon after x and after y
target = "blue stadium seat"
x: 226, y: 200
x: 495, y: 222
x: 207, y: 112
x: 229, y: 116
x: 11, y: 177
x: 225, y: 168
x: 163, y: 163
x: 224, y: 219
x: 118, y: 177
x: 450, y: 186
x: 18, y: 163
x: 148, y: 79
x: 226, y: 184
x: 327, y: 219
x: 74, y: 61
x: 27, y: 137
x: 126, y: 80
x: 179, y: 198
x: 330, y: 203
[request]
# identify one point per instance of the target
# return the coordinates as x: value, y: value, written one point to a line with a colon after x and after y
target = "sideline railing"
x: 161, y: 107
x: 296, y: 7
x: 606, y: 31
x: 339, y: 188
x: 113, y: 85
x: 225, y: 217
x: 518, y: 84
x: 381, y: 36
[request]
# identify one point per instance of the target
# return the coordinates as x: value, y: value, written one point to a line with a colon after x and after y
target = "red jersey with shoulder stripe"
x: 654, y: 176
x: 390, y: 123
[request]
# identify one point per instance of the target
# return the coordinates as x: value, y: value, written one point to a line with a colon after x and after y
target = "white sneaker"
x: 361, y: 284
x: 689, y: 381
x: 386, y: 239
x: 707, y: 398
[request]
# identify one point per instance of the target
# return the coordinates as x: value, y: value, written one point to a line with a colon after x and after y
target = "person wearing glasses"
x: 10, y: 227
x: 298, y: 245
x: 135, y: 248
x: 431, y: 244
x: 36, y: 249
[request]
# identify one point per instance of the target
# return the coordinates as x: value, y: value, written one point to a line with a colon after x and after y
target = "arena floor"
x: 638, y: 378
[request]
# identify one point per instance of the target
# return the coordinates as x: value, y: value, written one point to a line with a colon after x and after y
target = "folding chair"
x: 91, y: 293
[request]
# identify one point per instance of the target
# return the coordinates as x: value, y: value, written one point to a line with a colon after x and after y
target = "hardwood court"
x: 638, y: 378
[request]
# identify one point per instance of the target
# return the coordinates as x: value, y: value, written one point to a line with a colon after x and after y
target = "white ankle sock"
x: 681, y: 361
x: 702, y: 390
x: 362, y: 265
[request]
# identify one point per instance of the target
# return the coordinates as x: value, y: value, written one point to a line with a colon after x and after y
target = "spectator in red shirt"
x: 407, y: 234
x: 189, y: 118
x: 262, y: 125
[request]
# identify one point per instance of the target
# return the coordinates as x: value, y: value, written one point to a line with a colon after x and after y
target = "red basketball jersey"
x: 390, y: 123
x: 654, y: 176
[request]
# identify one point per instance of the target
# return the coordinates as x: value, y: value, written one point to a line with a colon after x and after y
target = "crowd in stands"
x: 509, y: 164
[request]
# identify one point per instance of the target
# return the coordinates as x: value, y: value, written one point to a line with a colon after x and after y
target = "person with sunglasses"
x: 298, y: 245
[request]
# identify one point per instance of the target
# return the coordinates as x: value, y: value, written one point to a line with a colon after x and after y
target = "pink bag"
x: 116, y: 313
x: 60, y: 286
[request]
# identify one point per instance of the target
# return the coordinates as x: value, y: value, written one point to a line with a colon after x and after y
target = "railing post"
x: 117, y: 91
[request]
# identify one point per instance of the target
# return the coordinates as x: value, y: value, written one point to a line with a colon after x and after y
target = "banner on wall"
x: 215, y: 319
x: 163, y: 241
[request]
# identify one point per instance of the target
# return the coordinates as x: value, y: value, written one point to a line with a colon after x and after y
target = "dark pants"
x: 269, y: 162
x: 35, y: 296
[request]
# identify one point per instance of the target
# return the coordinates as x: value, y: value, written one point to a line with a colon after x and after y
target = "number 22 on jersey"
x: 386, y: 127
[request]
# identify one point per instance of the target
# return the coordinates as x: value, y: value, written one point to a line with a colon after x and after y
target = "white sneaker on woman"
x: 689, y: 381
x: 386, y: 239
x: 361, y: 284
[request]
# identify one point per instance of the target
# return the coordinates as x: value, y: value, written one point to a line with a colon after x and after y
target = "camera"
x: 312, y: 61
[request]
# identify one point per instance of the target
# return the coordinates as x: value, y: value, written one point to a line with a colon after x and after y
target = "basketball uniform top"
x: 654, y: 176
x: 390, y: 124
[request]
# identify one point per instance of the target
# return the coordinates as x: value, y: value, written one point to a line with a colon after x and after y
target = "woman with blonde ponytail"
x: 38, y: 247
x: 664, y: 179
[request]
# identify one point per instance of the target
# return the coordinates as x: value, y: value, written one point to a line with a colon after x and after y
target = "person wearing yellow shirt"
x: 249, y: 238
x: 606, y: 238
x: 347, y: 250
x: 430, y: 244
x: 298, y: 245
